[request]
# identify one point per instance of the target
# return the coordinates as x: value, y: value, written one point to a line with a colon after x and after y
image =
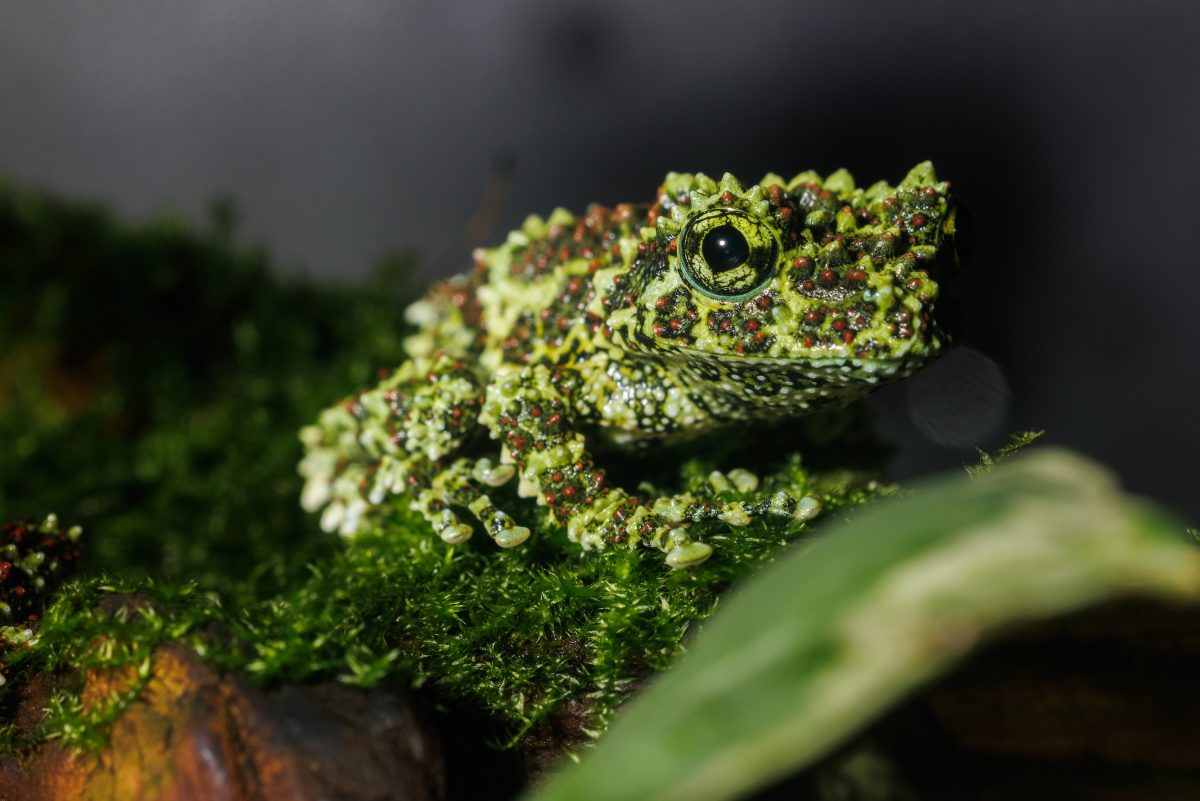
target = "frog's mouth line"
x: 851, y: 365
x: 759, y: 371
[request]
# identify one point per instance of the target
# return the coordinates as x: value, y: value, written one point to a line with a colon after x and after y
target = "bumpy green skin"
x: 616, y: 325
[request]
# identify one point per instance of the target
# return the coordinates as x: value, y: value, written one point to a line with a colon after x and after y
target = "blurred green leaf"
x: 832, y: 634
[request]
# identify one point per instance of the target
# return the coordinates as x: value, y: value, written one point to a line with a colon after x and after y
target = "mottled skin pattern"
x: 715, y: 306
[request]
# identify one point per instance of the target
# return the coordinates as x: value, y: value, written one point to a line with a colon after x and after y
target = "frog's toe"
x: 503, y: 528
x: 343, y: 516
x: 743, y: 480
x: 455, y: 533
x: 511, y: 537
x: 332, y: 517
x: 807, y: 508
x: 781, y: 504
x: 735, y: 514
x: 737, y: 480
x: 683, y: 551
x: 391, y: 476
x: 688, y: 554
x: 492, y: 475
x: 445, y: 522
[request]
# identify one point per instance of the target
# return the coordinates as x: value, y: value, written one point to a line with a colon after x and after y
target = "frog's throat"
x: 763, y: 387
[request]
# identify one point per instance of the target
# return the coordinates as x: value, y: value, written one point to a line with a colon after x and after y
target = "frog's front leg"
x: 530, y: 411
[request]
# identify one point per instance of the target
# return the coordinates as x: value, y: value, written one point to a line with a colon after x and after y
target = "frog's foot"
x: 682, y: 551
x: 453, y: 488
x: 663, y: 523
x: 387, y: 440
x: 434, y: 506
x: 617, y: 519
x: 784, y: 504
x: 612, y: 517
x: 793, y: 502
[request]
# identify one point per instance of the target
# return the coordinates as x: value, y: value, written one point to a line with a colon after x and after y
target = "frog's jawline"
x: 770, y: 382
x: 755, y: 392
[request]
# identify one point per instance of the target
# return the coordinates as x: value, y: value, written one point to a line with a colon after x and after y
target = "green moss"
x: 1016, y: 443
x: 516, y: 634
x: 151, y: 382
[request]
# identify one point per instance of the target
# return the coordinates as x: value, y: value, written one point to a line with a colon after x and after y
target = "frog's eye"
x: 728, y: 254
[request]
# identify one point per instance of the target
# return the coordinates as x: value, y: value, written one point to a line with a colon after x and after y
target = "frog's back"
x: 534, y: 298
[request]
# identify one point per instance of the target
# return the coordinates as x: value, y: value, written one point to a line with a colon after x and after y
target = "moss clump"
x: 537, y: 637
x: 531, y: 635
x: 153, y: 382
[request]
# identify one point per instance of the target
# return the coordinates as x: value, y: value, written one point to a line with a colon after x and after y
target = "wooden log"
x: 197, y: 735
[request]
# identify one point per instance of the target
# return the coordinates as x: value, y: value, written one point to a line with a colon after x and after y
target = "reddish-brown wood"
x: 194, y: 735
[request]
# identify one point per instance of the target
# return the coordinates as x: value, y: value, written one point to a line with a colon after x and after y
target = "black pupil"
x: 725, y: 248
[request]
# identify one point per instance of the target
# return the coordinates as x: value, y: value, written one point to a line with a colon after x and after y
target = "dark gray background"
x: 346, y: 129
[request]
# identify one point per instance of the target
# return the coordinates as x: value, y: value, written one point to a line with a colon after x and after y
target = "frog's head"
x: 794, y: 291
